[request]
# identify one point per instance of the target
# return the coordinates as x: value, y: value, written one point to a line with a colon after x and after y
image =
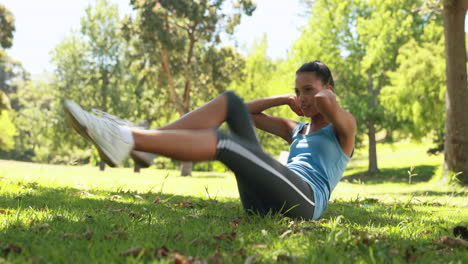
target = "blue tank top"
x: 319, y: 160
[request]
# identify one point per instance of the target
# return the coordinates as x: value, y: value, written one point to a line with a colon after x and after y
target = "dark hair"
x: 320, y: 69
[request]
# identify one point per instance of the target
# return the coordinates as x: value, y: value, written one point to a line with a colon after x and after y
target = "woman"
x: 319, y: 152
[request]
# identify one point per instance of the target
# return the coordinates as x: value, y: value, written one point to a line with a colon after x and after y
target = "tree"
x: 180, y: 36
x: 417, y: 87
x: 7, y: 27
x: 7, y: 75
x: 456, y: 126
x: 89, y: 65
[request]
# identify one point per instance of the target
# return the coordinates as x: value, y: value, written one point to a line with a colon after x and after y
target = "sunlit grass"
x: 65, y: 214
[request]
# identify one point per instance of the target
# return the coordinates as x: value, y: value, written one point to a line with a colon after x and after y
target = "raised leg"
x: 184, y: 145
x: 192, y: 137
x: 210, y: 115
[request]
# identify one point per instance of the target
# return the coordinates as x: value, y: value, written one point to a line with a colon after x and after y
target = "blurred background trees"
x: 168, y: 57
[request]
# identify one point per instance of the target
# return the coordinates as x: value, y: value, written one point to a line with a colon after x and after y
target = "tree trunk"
x: 373, y: 168
x: 136, y: 168
x: 186, y: 168
x: 102, y: 165
x: 456, y: 124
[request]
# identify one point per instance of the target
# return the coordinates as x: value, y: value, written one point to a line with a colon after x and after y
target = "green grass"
x: 63, y: 214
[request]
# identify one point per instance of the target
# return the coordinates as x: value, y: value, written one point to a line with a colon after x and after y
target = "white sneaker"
x: 104, y: 133
x: 143, y: 159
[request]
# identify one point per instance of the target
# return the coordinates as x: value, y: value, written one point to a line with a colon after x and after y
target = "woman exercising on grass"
x: 319, y: 151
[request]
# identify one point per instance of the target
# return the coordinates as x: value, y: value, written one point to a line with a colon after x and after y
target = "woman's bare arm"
x: 281, y: 127
x: 343, y: 122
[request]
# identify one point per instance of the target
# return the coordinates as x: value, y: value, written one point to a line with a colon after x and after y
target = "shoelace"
x: 112, y: 118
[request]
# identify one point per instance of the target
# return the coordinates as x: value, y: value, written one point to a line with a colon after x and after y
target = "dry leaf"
x: 193, y: 216
x: 115, y: 196
x: 134, y: 252
x: 12, y: 247
x: 43, y: 226
x: 259, y: 246
x: 179, y: 236
x: 162, y: 252
x: 425, y: 232
x: 285, y: 234
x: 220, y: 236
x: 138, y: 197
x: 85, y: 193
x: 69, y: 235
x: 179, y: 259
x: 232, y: 236
x: 157, y: 200
x: 185, y: 204
x: 453, y: 242
x: 285, y: 257
x: 88, y: 235
x: 251, y: 259
x: 235, y: 221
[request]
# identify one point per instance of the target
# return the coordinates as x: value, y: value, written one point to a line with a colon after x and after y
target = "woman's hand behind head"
x: 292, y: 99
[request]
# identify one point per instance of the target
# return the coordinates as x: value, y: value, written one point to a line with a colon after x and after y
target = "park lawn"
x: 77, y: 214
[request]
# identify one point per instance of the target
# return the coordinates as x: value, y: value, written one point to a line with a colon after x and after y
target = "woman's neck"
x: 317, y: 122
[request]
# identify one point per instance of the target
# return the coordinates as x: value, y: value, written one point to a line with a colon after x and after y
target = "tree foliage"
x: 417, y: 87
x: 182, y: 38
x: 7, y: 27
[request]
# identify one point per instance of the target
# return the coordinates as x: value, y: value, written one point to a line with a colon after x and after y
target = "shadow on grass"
x: 95, y: 227
x: 421, y: 173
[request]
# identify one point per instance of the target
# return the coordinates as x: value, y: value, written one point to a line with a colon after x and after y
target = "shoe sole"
x: 83, y: 131
x: 143, y: 163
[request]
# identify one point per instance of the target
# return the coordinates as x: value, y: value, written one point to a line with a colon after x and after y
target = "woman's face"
x: 307, y: 86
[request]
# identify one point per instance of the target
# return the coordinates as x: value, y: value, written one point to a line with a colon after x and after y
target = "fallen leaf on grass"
x: 12, y: 248
x: 157, y: 200
x: 118, y: 210
x: 240, y: 252
x: 198, y: 241
x: 426, y: 232
x: 88, y: 235
x: 185, y: 204
x: 138, y: 197
x: 285, y: 257
x: 69, y: 235
x: 453, y: 242
x: 286, y: 233
x: 259, y: 246
x: 134, y: 252
x: 235, y: 221
x: 178, y: 236
x: 162, y: 252
x: 251, y: 259
x: 2, y: 211
x: 43, y: 226
x: 85, y: 193
x: 393, y: 252
x: 33, y: 221
x: 115, y: 196
x: 120, y: 234
x: 193, y: 216
x: 216, y: 258
x: 223, y: 236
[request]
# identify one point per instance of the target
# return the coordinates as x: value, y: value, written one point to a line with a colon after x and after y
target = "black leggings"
x: 265, y: 185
